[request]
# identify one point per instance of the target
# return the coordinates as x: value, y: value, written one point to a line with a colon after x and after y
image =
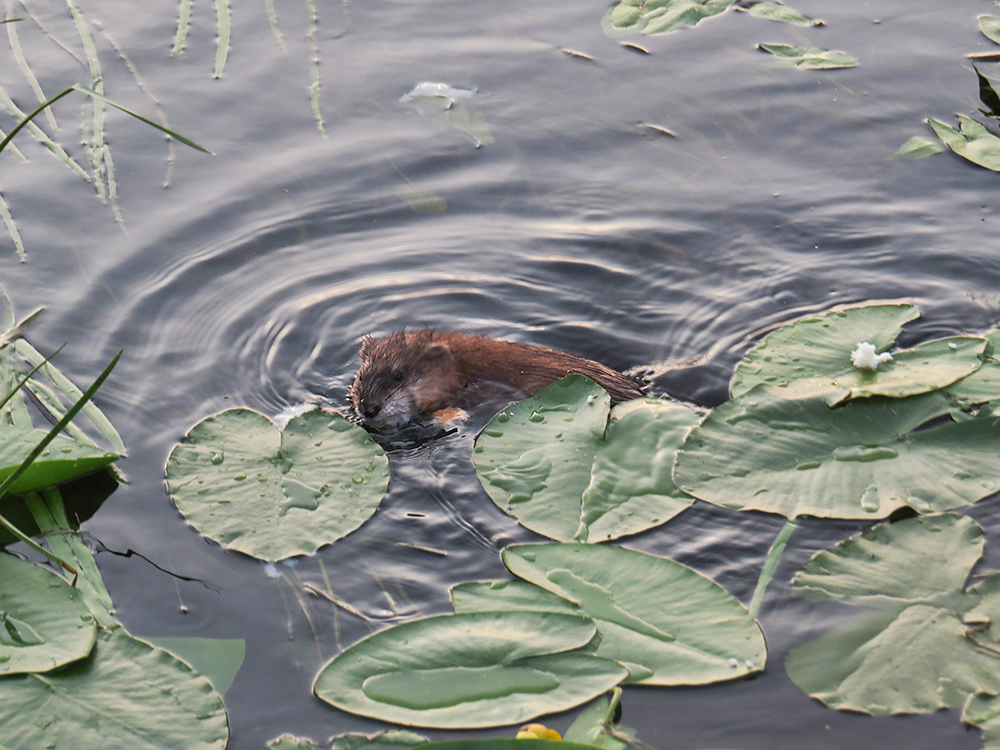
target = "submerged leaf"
x: 920, y: 651
x: 127, y: 694
x: 568, y: 466
x: 779, y: 12
x: 271, y: 494
x: 471, y: 670
x: 972, y: 141
x: 43, y: 622
x: 919, y: 147
x: 667, y: 623
x: 809, y: 58
x: 863, y: 460
x: 659, y: 16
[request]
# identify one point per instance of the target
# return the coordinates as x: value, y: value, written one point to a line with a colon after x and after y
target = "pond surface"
x: 553, y: 209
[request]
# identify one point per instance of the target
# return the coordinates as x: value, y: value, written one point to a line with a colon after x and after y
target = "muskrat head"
x: 403, y: 379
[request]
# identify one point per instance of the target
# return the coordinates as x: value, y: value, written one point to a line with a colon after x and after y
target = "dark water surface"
x: 250, y: 280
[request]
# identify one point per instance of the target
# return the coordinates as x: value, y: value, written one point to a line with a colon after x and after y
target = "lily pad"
x: 218, y: 659
x: 809, y: 58
x: 863, y: 460
x: 659, y: 16
x: 43, y: 622
x: 990, y: 26
x: 813, y: 356
x: 782, y: 13
x: 273, y: 494
x: 568, y: 466
x: 983, y: 711
x: 64, y: 459
x: 125, y: 694
x: 984, y: 384
x: 473, y: 670
x: 919, y: 147
x: 919, y: 651
x: 392, y: 739
x: 667, y: 623
x: 972, y: 141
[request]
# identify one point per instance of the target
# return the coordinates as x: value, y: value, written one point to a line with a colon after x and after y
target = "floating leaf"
x: 588, y: 728
x: 972, y: 141
x: 274, y: 494
x: 473, y: 670
x: 218, y: 659
x: 421, y: 201
x: 809, y: 58
x: 779, y: 12
x: 43, y: 622
x: 61, y: 461
x: 919, y: 147
x: 918, y: 652
x: 863, y: 460
x: 659, y: 16
x: 984, y: 384
x: 990, y: 26
x: 667, y: 623
x: 568, y: 466
x: 393, y: 739
x: 813, y: 356
x: 126, y: 694
x: 983, y: 711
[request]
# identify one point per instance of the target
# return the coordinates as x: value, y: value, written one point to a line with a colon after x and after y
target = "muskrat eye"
x: 397, y: 377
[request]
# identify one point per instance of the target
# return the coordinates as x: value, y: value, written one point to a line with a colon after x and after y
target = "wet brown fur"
x: 434, y: 366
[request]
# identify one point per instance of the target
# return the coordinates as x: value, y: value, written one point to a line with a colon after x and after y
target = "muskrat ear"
x: 366, y: 345
x: 438, y: 351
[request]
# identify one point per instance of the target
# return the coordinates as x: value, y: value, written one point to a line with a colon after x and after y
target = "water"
x: 250, y: 280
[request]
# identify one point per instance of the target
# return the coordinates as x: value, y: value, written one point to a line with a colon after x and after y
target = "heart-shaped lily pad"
x: 274, y: 494
x: 568, y: 466
x: 863, y: 460
x: 972, y: 141
x: 472, y: 670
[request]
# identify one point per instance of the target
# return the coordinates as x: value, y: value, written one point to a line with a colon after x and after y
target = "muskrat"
x: 411, y: 376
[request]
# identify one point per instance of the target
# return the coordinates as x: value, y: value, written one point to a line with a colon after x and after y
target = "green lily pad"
x: 659, y: 16
x: 588, y: 728
x: 392, y: 739
x: 919, y: 147
x: 813, y: 356
x: 983, y: 711
x: 782, y: 13
x: 218, y: 659
x: 972, y: 141
x: 568, y: 466
x: 990, y: 26
x: 809, y: 58
x: 274, y: 494
x: 43, y: 622
x: 473, y: 670
x: 507, y: 596
x: 126, y: 694
x: 668, y: 624
x: 984, y: 384
x: 863, y: 460
x: 919, y: 651
x: 61, y: 461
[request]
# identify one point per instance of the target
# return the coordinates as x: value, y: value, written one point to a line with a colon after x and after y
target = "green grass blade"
x: 137, y: 116
x: 22, y: 381
x: 183, y: 23
x: 22, y: 63
x: 69, y: 389
x: 11, y: 20
x: 222, y: 45
x: 770, y: 563
x: 58, y: 427
x: 141, y: 83
x: 26, y: 122
x: 314, y: 81
x: 15, y: 236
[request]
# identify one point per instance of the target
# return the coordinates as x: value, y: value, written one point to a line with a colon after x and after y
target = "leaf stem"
x: 770, y: 563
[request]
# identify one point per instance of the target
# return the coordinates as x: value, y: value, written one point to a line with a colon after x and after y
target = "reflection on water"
x: 582, y: 226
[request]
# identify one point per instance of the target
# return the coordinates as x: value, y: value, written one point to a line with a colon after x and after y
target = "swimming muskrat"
x: 411, y: 376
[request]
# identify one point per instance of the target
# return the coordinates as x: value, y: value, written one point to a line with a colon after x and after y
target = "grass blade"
x: 22, y: 63
x: 26, y: 121
x: 222, y: 44
x: 15, y: 236
x: 58, y: 427
x: 22, y: 381
x: 272, y: 20
x: 311, y: 35
x: 183, y: 23
x: 770, y: 563
x: 96, y: 145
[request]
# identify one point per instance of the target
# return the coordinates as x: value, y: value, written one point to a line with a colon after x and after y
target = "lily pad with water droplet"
x: 972, y: 141
x: 126, y: 694
x: 568, y: 466
x: 471, y: 670
x: 813, y: 356
x: 667, y: 623
x: 864, y: 459
x: 43, y: 622
x: 921, y: 649
x: 808, y: 58
x: 273, y: 494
